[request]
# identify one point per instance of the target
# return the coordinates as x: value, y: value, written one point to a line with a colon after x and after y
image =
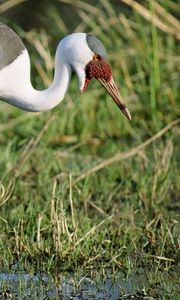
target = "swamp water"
x: 142, y: 285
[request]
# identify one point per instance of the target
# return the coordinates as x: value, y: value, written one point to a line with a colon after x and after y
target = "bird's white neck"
x: 17, y: 90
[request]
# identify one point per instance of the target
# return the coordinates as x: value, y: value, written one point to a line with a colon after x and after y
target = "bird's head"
x: 88, y: 57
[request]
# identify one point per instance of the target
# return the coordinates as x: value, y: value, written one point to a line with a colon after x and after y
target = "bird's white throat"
x: 16, y: 87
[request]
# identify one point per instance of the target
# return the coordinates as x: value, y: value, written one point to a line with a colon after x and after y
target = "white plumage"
x: 15, y: 82
x: 77, y: 51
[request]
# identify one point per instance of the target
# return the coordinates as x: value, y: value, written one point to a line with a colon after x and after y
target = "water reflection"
x: 142, y: 287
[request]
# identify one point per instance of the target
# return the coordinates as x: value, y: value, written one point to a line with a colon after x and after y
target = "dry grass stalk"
x: 40, y: 216
x: 5, y: 194
x: 53, y: 201
x: 16, y: 240
x: 126, y: 24
x: 149, y: 16
x: 82, y: 5
x: 127, y: 154
x: 92, y: 230
x: 56, y: 221
x: 71, y: 202
x: 62, y: 216
x: 92, y: 259
x: 161, y: 257
x: 9, y: 4
x: 29, y: 152
x: 19, y: 233
x: 162, y: 168
x: 59, y: 221
x: 167, y: 16
x: 99, y: 209
x: 41, y: 45
x: 43, y: 74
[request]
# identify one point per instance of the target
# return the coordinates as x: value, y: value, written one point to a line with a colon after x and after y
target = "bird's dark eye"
x: 97, y: 57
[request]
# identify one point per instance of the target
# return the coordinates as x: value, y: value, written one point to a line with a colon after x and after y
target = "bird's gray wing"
x: 11, y: 46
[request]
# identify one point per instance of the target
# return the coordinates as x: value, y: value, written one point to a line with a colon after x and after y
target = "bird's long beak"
x: 112, y: 89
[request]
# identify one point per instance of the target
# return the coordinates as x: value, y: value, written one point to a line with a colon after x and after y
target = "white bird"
x: 81, y: 52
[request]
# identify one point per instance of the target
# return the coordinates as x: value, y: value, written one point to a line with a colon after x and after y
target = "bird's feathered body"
x: 79, y: 51
x: 11, y: 47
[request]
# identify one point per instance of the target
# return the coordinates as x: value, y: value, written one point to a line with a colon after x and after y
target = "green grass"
x: 127, y: 213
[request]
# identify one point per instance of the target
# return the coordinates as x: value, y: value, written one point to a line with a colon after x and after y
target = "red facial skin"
x: 97, y: 68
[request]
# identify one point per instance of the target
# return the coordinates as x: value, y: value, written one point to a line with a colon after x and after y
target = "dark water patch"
x: 145, y: 286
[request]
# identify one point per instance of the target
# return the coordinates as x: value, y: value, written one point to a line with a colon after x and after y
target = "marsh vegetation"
x: 81, y: 187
